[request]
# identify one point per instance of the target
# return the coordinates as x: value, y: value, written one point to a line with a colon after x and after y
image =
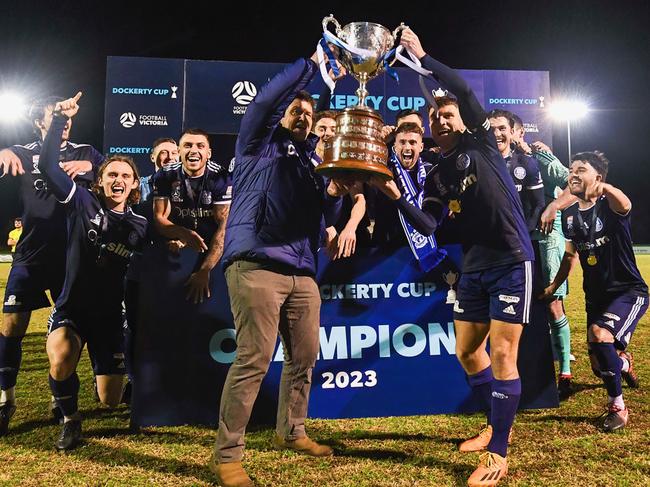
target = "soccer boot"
x: 70, y: 435
x: 630, y: 377
x: 303, y: 445
x: 615, y: 418
x: 230, y: 474
x: 7, y: 410
x: 491, y: 468
x: 480, y: 441
x: 564, y: 387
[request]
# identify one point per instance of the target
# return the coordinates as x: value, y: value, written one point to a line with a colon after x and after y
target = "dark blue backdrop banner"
x: 386, y: 344
x: 149, y: 98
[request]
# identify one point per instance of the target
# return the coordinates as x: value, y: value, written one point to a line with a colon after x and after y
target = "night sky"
x: 597, y: 50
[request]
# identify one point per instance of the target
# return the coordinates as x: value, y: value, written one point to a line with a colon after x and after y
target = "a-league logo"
x: 243, y: 92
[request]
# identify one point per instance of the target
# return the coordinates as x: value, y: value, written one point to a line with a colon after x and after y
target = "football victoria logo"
x: 243, y: 93
x: 127, y: 119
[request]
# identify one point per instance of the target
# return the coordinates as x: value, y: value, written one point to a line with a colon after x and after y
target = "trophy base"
x: 351, y: 169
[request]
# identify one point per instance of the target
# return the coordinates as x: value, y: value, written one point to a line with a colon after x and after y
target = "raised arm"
x: 470, y: 109
x: 58, y: 182
x: 265, y: 111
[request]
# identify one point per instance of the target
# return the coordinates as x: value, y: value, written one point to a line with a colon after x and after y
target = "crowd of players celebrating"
x: 87, y: 220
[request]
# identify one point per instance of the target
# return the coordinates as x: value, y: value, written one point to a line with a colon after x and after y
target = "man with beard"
x: 494, y: 291
x: 597, y: 229
x: 279, y: 211
x: 191, y: 205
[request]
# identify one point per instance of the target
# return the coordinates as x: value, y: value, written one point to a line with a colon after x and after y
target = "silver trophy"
x: 450, y: 278
x: 370, y: 43
x: 358, y: 147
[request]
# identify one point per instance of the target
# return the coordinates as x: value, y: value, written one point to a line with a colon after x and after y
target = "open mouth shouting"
x: 408, y: 157
x: 117, y: 189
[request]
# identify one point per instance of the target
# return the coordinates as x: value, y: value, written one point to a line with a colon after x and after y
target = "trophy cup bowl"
x: 357, y: 149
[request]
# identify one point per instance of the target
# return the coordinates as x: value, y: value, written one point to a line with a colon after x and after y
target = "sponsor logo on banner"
x: 243, y: 93
x: 514, y: 101
x: 129, y: 119
x: 174, y: 89
x: 531, y: 127
x: 129, y: 150
x: 141, y: 91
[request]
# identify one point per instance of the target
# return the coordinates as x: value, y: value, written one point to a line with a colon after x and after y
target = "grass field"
x: 551, y: 447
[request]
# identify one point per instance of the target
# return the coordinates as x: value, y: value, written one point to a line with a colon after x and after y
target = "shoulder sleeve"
x: 162, y: 182
x: 533, y: 176
x: 222, y: 188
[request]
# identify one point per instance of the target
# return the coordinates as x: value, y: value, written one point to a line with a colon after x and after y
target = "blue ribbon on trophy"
x: 379, y: 50
x: 425, y: 249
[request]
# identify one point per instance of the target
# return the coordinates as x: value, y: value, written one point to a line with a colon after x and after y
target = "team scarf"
x: 425, y: 249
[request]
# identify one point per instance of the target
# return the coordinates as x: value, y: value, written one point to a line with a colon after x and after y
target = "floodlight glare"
x: 568, y: 109
x: 12, y: 107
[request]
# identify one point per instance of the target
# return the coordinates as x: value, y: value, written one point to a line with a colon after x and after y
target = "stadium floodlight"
x: 12, y: 107
x: 568, y: 111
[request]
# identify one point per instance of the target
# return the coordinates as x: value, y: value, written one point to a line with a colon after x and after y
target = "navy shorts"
x: 102, y: 334
x: 619, y: 316
x: 502, y: 293
x: 26, y: 286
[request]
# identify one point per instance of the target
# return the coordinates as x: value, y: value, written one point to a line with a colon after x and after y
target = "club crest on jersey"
x: 462, y: 161
x: 176, y: 192
x: 599, y: 224
x: 133, y: 238
x: 519, y: 172
x: 35, y: 170
x: 206, y: 198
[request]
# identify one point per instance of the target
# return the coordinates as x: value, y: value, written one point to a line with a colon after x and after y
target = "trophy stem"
x: 362, y: 92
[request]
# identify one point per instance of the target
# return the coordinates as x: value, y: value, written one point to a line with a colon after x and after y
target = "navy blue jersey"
x: 99, y: 241
x: 388, y: 230
x: 614, y: 270
x: 192, y: 199
x: 524, y: 171
x: 474, y: 182
x: 43, y: 238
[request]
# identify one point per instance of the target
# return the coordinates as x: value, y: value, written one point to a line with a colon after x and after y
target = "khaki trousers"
x: 265, y: 303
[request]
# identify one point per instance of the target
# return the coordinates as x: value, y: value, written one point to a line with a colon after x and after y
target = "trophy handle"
x: 330, y: 18
x: 397, y: 30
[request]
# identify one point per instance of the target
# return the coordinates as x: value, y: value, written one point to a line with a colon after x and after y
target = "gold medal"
x: 454, y: 206
x: 592, y: 260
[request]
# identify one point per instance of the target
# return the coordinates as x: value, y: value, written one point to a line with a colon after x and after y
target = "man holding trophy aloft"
x: 494, y: 290
x: 273, y: 234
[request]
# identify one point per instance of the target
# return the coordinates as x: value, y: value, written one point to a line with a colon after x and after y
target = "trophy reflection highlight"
x: 357, y: 149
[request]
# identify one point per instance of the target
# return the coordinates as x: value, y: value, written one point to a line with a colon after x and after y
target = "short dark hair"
x: 18, y: 219
x: 497, y: 112
x: 38, y: 108
x: 597, y: 160
x: 442, y: 101
x: 305, y: 96
x: 517, y: 120
x: 134, y: 195
x: 325, y: 114
x: 162, y: 140
x: 408, y: 127
x: 195, y: 131
x: 405, y: 113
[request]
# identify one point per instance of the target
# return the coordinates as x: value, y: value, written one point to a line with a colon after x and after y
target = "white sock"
x: 8, y: 396
x: 625, y: 364
x: 617, y: 401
